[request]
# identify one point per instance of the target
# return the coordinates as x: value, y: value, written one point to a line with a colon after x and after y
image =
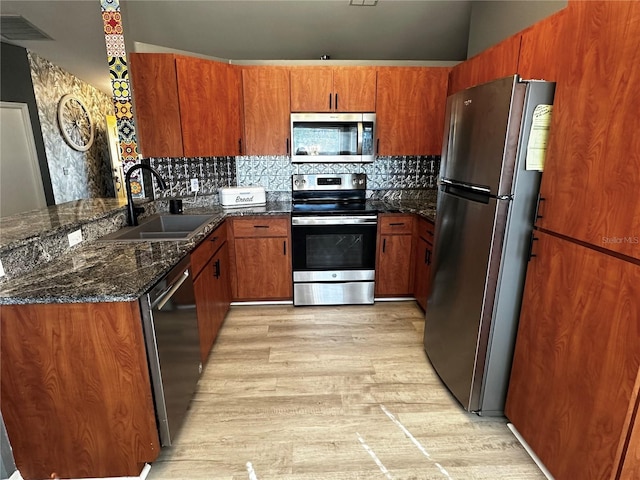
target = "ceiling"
x: 394, y: 30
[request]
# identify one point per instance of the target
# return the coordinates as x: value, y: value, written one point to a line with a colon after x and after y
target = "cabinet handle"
x: 396, y: 224
x: 216, y: 269
x: 286, y: 143
x: 329, y: 101
x: 540, y: 199
x: 426, y: 256
x: 377, y: 145
x: 336, y: 101
x: 213, y: 239
x: 384, y: 244
x: 284, y: 247
x: 240, y: 146
x: 533, y: 239
x: 261, y: 226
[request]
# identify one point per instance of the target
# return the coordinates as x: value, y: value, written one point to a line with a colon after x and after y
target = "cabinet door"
x: 222, y: 285
x: 576, y: 357
x: 592, y: 172
x: 540, y: 48
x: 74, y: 383
x: 263, y: 268
x: 393, y: 270
x: 209, y: 104
x: 266, y: 97
x: 423, y: 256
x: 312, y: 89
x: 354, y: 89
x: 498, y: 61
x: 204, y: 289
x: 410, y: 108
x: 157, y: 110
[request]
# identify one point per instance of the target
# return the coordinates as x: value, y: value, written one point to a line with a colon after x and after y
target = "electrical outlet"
x: 75, y: 237
x: 1, y: 269
x: 195, y: 185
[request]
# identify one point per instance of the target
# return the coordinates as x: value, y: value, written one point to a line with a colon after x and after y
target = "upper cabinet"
x: 592, y: 173
x: 333, y: 89
x: 499, y: 61
x: 266, y: 97
x: 157, y: 110
x: 540, y: 47
x: 209, y: 94
x: 186, y: 107
x: 410, y: 110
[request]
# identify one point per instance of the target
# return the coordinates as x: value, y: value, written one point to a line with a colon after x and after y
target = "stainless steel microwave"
x: 332, y: 137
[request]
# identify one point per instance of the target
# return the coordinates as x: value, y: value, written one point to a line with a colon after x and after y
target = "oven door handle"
x: 336, y: 220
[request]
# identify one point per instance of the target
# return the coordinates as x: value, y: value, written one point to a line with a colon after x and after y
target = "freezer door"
x: 480, y: 144
x: 460, y: 305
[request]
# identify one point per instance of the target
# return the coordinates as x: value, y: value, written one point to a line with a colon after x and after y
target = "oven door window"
x: 334, y: 247
x: 325, y: 138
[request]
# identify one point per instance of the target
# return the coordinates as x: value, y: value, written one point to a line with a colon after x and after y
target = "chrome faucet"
x: 132, y: 210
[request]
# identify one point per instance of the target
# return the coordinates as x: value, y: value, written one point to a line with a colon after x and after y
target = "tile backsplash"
x: 274, y: 173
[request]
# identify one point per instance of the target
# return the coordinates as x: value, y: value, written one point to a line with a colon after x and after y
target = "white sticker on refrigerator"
x: 539, y: 137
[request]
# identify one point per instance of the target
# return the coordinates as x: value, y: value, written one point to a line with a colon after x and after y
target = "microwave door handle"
x: 360, y: 129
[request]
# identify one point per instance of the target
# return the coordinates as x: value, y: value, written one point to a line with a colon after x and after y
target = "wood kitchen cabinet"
x: 333, y: 89
x: 186, y: 106
x: 261, y: 258
x: 541, y: 47
x: 576, y: 357
x: 209, y: 94
x: 267, y: 107
x: 423, y: 256
x: 394, y: 267
x: 157, y: 109
x: 76, y: 395
x: 410, y: 108
x: 210, y: 267
x: 498, y: 61
x: 592, y: 174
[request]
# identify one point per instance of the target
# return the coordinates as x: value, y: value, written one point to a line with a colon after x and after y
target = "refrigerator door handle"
x: 466, y: 186
x: 465, y: 191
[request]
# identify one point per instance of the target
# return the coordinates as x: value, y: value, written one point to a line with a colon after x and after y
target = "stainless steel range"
x: 333, y: 240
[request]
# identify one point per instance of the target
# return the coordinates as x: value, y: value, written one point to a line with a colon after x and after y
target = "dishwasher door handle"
x: 165, y: 296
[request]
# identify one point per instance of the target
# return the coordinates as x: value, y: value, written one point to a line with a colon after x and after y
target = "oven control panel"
x: 333, y: 181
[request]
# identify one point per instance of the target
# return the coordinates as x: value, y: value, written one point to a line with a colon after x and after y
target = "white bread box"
x: 241, y: 196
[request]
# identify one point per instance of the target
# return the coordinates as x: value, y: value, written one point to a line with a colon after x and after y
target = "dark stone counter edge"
x: 423, y: 209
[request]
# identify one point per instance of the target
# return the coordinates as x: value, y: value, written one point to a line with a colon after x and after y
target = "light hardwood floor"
x: 332, y: 393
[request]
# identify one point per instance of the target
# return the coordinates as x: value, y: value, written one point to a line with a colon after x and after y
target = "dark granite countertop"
x: 123, y: 271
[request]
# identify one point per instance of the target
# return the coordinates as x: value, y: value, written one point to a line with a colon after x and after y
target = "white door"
x: 20, y: 180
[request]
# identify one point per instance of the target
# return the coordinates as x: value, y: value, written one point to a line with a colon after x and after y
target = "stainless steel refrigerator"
x: 486, y: 207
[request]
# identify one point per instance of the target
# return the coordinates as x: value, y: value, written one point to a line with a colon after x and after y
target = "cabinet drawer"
x: 261, y: 227
x: 201, y: 255
x: 425, y: 230
x: 395, y: 224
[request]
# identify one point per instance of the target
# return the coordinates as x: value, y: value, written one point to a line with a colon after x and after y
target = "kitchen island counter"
x: 97, y: 271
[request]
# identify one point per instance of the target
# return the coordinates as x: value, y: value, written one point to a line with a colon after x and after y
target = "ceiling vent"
x: 16, y: 27
x: 363, y: 3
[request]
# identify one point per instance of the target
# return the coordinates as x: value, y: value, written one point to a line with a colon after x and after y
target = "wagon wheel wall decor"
x: 75, y: 123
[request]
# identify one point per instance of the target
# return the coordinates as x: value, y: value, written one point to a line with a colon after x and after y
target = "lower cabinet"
x: 577, y: 354
x: 210, y: 264
x: 394, y: 268
x: 262, y: 258
x: 76, y: 394
x: 423, y: 257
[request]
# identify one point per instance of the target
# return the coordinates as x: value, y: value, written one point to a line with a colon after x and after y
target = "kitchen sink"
x: 161, y: 227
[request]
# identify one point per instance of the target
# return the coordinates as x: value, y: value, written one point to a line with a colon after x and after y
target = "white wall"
x: 493, y: 21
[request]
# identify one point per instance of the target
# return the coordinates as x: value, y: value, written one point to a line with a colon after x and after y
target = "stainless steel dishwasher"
x: 173, y: 347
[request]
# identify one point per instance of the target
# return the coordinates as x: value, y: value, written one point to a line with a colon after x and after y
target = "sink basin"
x: 162, y: 227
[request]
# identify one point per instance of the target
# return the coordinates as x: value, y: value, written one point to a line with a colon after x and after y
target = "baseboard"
x: 531, y: 453
x: 143, y: 475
